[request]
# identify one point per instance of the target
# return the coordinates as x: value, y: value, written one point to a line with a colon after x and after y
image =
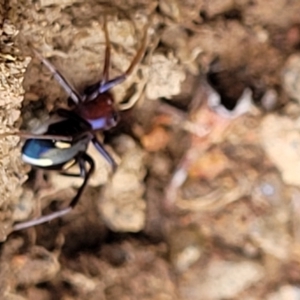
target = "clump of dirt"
x: 13, y: 172
x: 207, y: 147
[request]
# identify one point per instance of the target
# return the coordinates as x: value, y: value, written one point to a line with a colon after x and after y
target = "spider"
x: 62, y: 141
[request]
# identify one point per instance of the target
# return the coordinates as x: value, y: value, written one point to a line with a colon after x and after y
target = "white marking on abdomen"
x: 39, y: 162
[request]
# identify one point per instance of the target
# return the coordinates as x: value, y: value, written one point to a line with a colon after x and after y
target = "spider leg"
x: 64, y: 138
x: 119, y: 79
x: 82, y: 170
x: 84, y: 158
x: 29, y: 135
x: 105, y: 75
x: 71, y: 91
x: 104, y: 153
x: 93, y: 91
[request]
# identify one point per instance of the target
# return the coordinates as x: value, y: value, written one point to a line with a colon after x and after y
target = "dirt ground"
x: 205, y: 203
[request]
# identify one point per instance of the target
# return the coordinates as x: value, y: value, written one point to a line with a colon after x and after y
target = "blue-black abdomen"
x: 35, y: 148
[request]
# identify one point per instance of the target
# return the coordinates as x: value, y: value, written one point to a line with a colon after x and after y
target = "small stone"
x: 187, y: 257
x: 280, y: 138
x: 289, y: 292
x: 222, y: 280
x: 291, y: 77
x: 165, y: 77
x: 155, y: 140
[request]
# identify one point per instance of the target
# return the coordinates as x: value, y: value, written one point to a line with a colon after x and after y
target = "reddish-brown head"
x: 100, y: 112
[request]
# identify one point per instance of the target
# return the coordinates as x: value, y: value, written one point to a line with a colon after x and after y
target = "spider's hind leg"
x: 84, y: 158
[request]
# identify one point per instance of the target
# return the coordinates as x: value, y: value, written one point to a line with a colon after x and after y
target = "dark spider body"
x: 62, y: 141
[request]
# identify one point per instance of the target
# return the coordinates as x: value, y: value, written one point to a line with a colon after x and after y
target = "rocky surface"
x: 205, y: 202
